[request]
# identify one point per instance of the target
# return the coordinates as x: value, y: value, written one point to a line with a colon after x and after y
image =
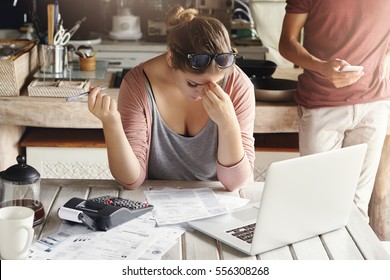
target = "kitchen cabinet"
x: 127, y: 54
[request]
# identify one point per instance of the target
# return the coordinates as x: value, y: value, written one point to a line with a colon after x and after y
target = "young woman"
x: 187, y: 114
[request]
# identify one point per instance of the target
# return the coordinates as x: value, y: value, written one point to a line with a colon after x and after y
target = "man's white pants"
x: 329, y: 128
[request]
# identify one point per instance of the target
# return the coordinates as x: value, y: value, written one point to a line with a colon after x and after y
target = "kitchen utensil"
x: 274, y: 90
x: 76, y: 26
x: 50, y: 23
x: 38, y: 29
x: 85, y: 51
x: 52, y: 58
x: 57, y: 16
x: 62, y: 37
x: 20, y: 184
x: 256, y: 67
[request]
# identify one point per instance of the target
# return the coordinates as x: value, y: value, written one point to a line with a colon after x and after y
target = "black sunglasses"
x: 201, y: 61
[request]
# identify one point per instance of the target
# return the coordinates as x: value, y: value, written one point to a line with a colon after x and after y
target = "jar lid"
x: 20, y: 173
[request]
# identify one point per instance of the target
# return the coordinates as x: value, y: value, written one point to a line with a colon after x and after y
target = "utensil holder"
x: 88, y: 63
x: 52, y: 58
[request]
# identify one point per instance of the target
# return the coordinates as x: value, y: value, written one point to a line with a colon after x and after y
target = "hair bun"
x: 180, y: 16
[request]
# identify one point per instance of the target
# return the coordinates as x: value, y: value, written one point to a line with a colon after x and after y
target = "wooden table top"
x: 354, y: 242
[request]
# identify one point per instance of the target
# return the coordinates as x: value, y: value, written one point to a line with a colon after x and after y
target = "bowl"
x: 256, y: 68
x: 274, y: 90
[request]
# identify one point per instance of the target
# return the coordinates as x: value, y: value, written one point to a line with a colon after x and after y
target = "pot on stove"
x: 20, y: 186
x: 266, y: 87
x: 256, y: 67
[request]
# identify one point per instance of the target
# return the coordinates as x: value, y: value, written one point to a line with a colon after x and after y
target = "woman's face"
x: 192, y: 85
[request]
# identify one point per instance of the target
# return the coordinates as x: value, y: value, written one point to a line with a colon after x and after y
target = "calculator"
x: 106, y: 212
x: 117, y: 201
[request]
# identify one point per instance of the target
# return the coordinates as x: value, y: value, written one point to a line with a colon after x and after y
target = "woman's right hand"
x: 102, y: 106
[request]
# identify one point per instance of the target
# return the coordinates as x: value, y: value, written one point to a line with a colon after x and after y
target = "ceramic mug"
x: 16, y: 232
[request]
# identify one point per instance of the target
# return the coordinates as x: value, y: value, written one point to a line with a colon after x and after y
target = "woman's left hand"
x: 218, y: 105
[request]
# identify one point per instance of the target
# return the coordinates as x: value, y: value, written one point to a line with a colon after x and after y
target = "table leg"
x: 9, y: 144
x: 379, y: 210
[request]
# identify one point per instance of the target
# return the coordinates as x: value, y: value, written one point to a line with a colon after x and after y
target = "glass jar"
x: 20, y: 186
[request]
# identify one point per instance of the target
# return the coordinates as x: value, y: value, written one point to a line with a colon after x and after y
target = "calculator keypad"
x: 120, y: 202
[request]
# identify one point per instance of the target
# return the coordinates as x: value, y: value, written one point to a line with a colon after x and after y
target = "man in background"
x: 339, y: 108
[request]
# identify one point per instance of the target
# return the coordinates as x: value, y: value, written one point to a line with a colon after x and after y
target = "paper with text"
x: 175, y: 206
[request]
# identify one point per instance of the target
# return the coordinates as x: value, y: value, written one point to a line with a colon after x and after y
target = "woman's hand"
x: 333, y: 72
x: 218, y: 105
x: 102, y: 106
x: 220, y: 109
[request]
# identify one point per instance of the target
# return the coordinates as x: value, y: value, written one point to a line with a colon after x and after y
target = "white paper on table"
x: 44, y: 248
x: 135, y: 239
x: 232, y: 202
x: 119, y: 243
x: 174, y: 206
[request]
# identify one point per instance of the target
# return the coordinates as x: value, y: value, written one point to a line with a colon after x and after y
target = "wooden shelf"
x: 281, y: 142
x: 61, y: 137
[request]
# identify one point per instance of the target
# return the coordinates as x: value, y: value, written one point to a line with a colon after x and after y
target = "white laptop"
x: 303, y: 197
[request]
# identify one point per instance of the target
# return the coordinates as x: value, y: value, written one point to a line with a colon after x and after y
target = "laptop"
x: 303, y: 197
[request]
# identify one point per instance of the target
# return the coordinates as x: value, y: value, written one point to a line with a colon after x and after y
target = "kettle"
x: 20, y: 186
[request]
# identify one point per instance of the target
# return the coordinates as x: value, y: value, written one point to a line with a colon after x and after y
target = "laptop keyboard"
x: 244, y: 233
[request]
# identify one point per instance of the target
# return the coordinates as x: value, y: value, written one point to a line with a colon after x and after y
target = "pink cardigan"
x: 135, y: 110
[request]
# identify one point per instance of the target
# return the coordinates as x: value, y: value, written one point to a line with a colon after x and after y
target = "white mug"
x: 16, y: 232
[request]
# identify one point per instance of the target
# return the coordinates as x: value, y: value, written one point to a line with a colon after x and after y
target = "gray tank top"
x: 176, y: 157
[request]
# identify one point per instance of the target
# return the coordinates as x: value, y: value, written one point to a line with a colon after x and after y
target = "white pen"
x: 74, y: 97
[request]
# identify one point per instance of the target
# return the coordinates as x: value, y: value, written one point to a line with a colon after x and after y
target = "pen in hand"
x: 74, y: 97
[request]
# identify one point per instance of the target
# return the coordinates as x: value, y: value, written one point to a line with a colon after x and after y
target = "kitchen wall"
x: 10, y: 17
x: 72, y: 10
x: 268, y: 17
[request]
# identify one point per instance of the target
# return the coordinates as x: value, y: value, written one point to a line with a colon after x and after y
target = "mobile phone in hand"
x: 352, y: 68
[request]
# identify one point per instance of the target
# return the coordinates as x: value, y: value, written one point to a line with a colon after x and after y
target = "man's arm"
x: 291, y: 49
x: 290, y: 46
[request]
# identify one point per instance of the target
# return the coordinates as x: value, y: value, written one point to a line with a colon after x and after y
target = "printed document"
x: 175, y: 206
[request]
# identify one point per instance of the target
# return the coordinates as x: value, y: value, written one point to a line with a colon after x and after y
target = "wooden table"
x: 356, y: 241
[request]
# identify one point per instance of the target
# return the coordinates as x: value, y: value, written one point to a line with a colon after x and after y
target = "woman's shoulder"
x: 241, y: 76
x: 153, y: 66
x: 133, y: 84
x: 136, y: 71
x: 238, y: 79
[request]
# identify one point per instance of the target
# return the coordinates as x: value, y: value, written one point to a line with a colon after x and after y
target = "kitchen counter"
x: 27, y: 111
